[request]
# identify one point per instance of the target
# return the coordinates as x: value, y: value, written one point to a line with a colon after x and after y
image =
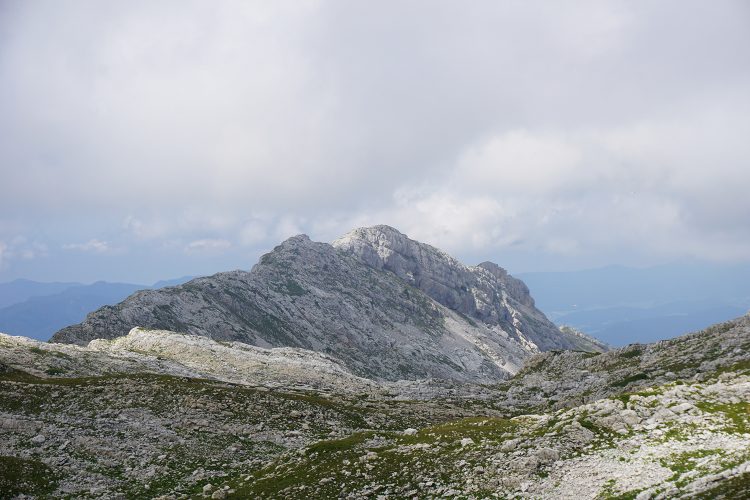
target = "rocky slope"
x: 673, y: 441
x: 560, y: 379
x: 158, y: 414
x: 416, y: 313
x: 169, y: 353
x: 485, y: 293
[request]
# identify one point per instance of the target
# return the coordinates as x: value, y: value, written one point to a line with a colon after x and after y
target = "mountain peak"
x: 379, y: 238
x: 384, y: 247
x: 296, y: 240
x: 486, y: 292
x: 384, y: 305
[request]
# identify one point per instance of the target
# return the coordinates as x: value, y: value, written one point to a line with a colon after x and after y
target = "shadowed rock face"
x: 385, y: 306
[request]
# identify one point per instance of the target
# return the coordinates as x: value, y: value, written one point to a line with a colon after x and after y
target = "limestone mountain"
x: 385, y: 306
x: 486, y: 293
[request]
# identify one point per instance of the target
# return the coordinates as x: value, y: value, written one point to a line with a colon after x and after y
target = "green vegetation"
x: 148, y: 435
x: 633, y: 353
x: 630, y: 379
x: 738, y: 414
x: 19, y: 476
x: 685, y: 462
x: 736, y: 487
x: 294, y: 288
x: 376, y: 457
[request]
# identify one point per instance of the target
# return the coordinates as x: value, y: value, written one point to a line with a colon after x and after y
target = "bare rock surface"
x: 485, y: 293
x: 563, y: 378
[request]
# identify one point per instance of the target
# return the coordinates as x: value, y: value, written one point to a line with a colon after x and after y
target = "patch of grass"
x: 397, y: 460
x: 334, y: 445
x: 684, y: 365
x: 738, y: 415
x: 588, y: 424
x: 685, y: 462
x: 736, y: 487
x: 20, y: 476
x: 589, y: 354
x: 634, y: 353
x: 625, y: 398
x: 294, y: 288
x: 629, y: 380
x: 476, y: 428
x: 739, y: 367
x: 679, y: 433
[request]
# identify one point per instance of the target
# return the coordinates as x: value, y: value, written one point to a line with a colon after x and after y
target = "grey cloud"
x: 591, y: 130
x: 93, y: 245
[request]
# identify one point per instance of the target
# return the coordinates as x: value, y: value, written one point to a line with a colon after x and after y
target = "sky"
x: 145, y: 140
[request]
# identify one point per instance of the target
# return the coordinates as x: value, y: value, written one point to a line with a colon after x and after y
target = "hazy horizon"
x: 146, y: 141
x: 702, y: 266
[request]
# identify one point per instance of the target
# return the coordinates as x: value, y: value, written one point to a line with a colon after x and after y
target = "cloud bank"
x: 538, y: 134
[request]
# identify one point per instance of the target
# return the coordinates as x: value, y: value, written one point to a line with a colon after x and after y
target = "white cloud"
x: 93, y: 246
x: 207, y: 246
x: 289, y: 226
x: 19, y: 247
x: 147, y: 230
x: 522, y: 162
x: 253, y: 232
x: 33, y: 251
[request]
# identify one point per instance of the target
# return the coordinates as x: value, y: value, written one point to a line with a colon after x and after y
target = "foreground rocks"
x: 157, y: 414
x: 147, y: 435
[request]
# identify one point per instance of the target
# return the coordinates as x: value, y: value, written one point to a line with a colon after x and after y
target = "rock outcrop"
x: 486, y: 293
x: 562, y: 379
x: 416, y: 313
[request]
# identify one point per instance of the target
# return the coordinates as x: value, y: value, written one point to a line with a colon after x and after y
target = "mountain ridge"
x: 52, y: 306
x: 331, y: 299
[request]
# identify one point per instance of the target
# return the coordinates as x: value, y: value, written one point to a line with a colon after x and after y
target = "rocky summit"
x: 385, y: 306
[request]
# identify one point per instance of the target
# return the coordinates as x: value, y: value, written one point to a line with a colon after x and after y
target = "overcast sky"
x: 147, y: 140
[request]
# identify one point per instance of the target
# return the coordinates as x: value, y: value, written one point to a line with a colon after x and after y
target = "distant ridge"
x: 51, y: 306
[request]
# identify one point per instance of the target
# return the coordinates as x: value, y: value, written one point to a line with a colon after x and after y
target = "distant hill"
x: 48, y: 307
x: 17, y: 291
x: 621, y: 305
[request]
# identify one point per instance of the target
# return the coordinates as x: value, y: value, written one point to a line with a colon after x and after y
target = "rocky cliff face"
x: 385, y: 306
x: 486, y: 293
